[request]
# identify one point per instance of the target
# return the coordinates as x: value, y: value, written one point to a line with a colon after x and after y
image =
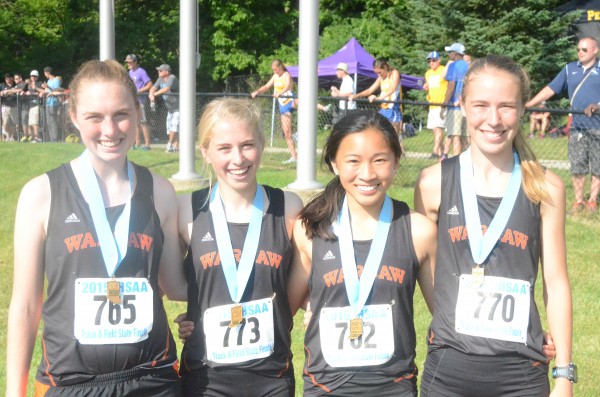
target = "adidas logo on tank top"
x: 328, y: 256
x: 208, y: 237
x: 72, y: 218
x: 453, y: 211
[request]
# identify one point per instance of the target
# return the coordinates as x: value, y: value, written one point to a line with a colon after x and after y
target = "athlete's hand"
x: 549, y: 348
x: 307, y: 315
x: 185, y: 327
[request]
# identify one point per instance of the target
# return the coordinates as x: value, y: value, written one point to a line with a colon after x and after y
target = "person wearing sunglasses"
x: 581, y: 81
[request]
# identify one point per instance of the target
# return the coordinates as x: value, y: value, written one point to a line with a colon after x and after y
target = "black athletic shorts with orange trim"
x: 450, y: 373
x: 136, y: 382
x: 208, y: 382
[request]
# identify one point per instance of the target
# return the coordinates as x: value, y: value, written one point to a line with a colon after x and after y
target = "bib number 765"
x: 115, y: 312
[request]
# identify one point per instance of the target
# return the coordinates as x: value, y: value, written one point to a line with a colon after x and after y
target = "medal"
x: 236, y: 316
x: 356, y: 328
x: 113, y: 292
x: 477, y: 276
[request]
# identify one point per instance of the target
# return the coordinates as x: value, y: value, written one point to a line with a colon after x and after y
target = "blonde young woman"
x: 238, y: 263
x: 499, y: 213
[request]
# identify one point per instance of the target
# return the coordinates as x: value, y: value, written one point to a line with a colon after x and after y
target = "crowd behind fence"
x: 548, y: 141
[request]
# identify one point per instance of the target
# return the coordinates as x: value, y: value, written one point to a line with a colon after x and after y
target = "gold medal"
x: 356, y: 328
x: 236, y: 316
x: 477, y: 275
x: 113, y: 292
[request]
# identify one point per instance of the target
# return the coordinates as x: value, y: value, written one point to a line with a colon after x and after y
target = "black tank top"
x: 394, y: 284
x: 207, y: 287
x: 515, y: 256
x: 71, y: 252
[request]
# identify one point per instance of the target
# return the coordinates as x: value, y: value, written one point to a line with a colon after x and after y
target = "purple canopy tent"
x: 360, y: 65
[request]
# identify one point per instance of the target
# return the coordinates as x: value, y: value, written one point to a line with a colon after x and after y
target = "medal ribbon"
x: 237, y: 277
x: 112, y: 246
x: 358, y: 290
x: 483, y: 244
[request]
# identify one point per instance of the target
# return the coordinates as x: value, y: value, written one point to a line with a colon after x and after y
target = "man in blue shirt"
x: 581, y: 81
x: 456, y: 128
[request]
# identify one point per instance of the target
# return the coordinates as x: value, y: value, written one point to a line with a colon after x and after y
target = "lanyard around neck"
x: 358, y: 290
x: 237, y: 277
x: 483, y: 244
x: 112, y: 246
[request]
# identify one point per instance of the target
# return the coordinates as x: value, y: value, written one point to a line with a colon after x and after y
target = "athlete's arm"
x: 287, y: 78
x: 369, y: 90
x: 265, y: 87
x: 428, y: 195
x: 170, y: 272
x: 293, y: 206
x: 424, y: 236
x: 300, y: 270
x: 557, y: 291
x: 28, y: 282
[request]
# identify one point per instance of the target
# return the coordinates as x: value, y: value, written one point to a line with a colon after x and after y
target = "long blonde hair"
x: 534, y: 181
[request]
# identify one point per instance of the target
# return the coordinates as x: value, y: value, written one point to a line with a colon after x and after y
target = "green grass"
x: 20, y: 162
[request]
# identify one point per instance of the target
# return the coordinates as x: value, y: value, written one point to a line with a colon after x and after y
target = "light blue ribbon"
x: 237, y: 277
x: 358, y: 290
x: 112, y: 246
x: 483, y: 244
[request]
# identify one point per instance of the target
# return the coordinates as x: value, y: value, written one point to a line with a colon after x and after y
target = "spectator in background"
x: 10, y: 111
x: 167, y: 86
x: 581, y: 81
x: 143, y: 84
x: 346, y: 90
x: 282, y: 84
x: 53, y: 90
x: 436, y: 86
x: 456, y: 128
x: 31, y: 97
x: 539, y: 121
x: 388, y: 82
x: 22, y: 108
x: 468, y: 59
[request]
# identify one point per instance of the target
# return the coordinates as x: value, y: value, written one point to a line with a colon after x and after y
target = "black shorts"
x: 136, y: 382
x: 361, y: 384
x: 208, y: 382
x: 450, y: 373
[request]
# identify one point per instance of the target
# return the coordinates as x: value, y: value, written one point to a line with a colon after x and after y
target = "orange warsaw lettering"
x: 521, y: 239
x: 510, y: 237
x: 88, y: 241
x: 73, y: 242
x: 389, y: 273
x: 208, y: 260
x: 274, y: 259
x: 145, y: 241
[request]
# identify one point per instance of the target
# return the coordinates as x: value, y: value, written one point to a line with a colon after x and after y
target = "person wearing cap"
x: 436, y: 86
x: 456, y: 128
x: 31, y: 97
x: 10, y: 111
x: 167, y: 86
x: 346, y: 89
x: 143, y: 84
x: 53, y: 90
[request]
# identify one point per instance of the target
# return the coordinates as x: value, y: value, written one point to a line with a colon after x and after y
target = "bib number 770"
x: 498, y: 309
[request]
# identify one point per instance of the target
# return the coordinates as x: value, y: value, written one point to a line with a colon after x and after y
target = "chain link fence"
x: 548, y: 129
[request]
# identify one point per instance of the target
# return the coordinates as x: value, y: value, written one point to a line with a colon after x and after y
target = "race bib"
x: 497, y: 309
x: 252, y: 338
x: 375, y: 346
x: 99, y: 321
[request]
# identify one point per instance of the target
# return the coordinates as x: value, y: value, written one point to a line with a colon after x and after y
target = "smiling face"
x: 106, y: 116
x: 234, y: 152
x: 366, y: 166
x: 492, y: 104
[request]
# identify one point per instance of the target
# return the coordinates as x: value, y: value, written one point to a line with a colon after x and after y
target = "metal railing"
x: 548, y: 141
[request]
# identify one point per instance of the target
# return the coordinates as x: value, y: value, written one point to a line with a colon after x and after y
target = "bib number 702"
x: 368, y: 332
